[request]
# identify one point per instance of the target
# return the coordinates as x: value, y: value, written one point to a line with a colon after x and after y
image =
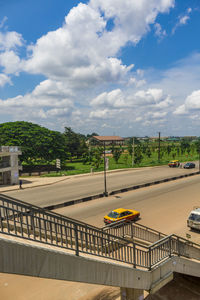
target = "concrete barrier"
x: 122, y: 190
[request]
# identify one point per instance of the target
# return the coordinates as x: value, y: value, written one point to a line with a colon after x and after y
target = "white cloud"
x: 10, y: 62
x: 159, y: 31
x: 80, y: 61
x: 2, y: 23
x: 101, y: 114
x: 4, y: 79
x: 113, y: 99
x: 10, y: 40
x: 191, y: 105
x: 182, y: 20
x: 84, y: 51
x: 49, y: 100
x: 157, y: 115
x: 193, y: 101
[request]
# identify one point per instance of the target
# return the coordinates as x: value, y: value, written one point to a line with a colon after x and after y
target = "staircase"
x: 129, y: 243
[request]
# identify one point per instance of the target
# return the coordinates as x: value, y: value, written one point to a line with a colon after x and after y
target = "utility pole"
x: 105, y: 186
x: 133, y: 152
x: 159, y: 147
x: 199, y: 160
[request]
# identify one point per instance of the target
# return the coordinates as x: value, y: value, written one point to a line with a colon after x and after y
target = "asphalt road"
x: 79, y: 187
x: 163, y: 207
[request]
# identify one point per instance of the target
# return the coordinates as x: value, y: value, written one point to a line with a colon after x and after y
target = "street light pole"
x: 105, y: 187
x: 133, y: 152
x: 199, y: 160
x: 159, y: 147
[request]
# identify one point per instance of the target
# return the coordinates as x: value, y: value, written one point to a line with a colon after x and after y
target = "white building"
x: 9, y: 166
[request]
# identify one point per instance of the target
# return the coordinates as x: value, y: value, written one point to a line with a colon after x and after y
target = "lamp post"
x: 103, y: 140
x: 133, y: 152
x: 105, y: 186
x: 199, y: 159
x: 159, y: 147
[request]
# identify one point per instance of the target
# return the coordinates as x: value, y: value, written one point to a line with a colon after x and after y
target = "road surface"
x: 78, y: 187
x: 164, y: 207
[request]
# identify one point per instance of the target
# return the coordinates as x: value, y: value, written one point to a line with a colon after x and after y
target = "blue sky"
x: 114, y: 67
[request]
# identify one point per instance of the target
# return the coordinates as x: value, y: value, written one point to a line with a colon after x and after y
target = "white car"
x: 193, y: 220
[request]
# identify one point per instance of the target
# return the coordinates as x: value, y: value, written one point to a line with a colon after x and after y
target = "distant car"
x: 189, y: 165
x: 174, y: 163
x: 119, y: 214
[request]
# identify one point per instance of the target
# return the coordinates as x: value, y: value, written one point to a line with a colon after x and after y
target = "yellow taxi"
x: 174, y: 163
x: 119, y: 214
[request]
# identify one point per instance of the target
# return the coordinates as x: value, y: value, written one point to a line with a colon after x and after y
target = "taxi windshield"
x: 113, y: 214
x: 194, y: 217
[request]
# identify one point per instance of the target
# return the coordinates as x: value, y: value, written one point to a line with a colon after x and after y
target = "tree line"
x: 41, y: 145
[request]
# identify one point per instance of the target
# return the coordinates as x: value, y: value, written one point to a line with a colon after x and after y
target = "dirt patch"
x: 103, y: 293
x: 182, y: 287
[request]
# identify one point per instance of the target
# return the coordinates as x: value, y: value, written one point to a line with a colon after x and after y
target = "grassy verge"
x: 77, y: 167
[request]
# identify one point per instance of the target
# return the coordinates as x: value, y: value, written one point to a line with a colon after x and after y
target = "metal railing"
x: 4, y: 164
x: 33, y: 223
x: 134, y: 230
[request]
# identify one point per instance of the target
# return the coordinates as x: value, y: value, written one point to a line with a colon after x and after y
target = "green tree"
x: 37, y: 143
x: 185, y: 146
x: 138, y: 155
x: 148, y: 152
x: 130, y: 148
x: 169, y: 149
x: 97, y: 157
x: 117, y: 153
x: 75, y: 143
x: 197, y: 145
x: 126, y: 158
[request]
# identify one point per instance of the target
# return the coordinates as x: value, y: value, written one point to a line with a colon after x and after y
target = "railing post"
x: 178, y: 246
x: 76, y: 239
x: 170, y: 246
x: 134, y: 256
x: 123, y: 230
x: 131, y: 230
x: 149, y: 258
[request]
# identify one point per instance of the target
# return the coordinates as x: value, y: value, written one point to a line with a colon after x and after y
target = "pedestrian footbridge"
x: 36, y: 242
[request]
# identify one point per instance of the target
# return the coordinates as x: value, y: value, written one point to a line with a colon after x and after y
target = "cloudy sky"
x: 115, y: 67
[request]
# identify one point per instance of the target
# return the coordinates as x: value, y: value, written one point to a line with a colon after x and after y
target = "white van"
x: 193, y: 220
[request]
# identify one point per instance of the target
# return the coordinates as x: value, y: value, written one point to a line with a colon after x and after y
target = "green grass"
x: 74, y: 168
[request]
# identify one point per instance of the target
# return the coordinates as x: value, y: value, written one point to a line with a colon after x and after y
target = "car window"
x: 113, y: 214
x: 123, y: 214
x: 128, y: 212
x: 194, y: 217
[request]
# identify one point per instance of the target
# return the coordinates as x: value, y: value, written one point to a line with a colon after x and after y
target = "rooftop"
x: 108, y: 138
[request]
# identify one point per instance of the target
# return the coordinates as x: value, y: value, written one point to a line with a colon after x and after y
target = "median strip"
x: 122, y: 190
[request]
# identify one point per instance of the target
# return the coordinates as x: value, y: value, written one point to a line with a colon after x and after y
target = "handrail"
x: 24, y: 204
x: 30, y: 222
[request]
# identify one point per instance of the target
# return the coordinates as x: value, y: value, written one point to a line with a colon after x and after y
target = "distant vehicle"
x: 119, y: 214
x: 193, y: 220
x: 189, y: 165
x: 174, y: 163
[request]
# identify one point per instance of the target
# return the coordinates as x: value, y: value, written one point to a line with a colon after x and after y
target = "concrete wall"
x: 38, y: 260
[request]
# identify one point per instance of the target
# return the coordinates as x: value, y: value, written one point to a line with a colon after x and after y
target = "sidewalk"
x: 31, y: 182
x: 36, y: 181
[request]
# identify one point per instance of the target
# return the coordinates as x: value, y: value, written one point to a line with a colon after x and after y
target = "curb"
x: 15, y: 188
x: 89, y: 198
